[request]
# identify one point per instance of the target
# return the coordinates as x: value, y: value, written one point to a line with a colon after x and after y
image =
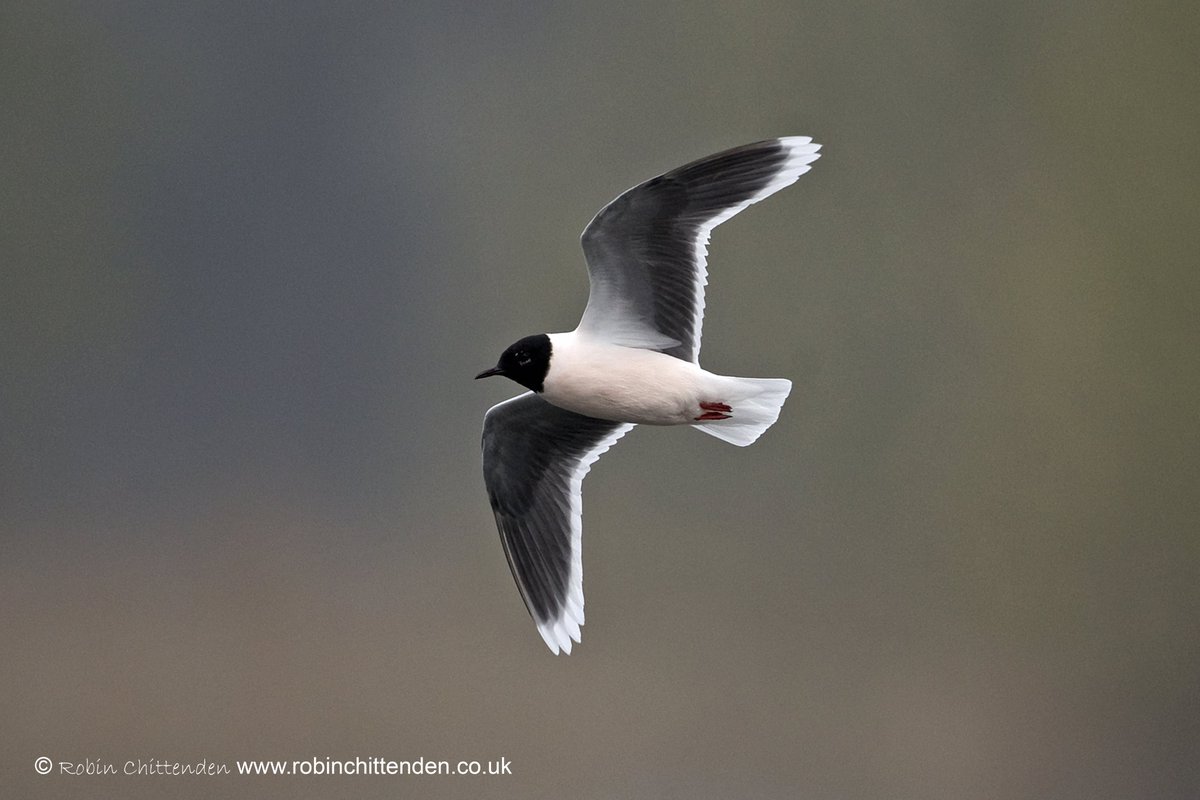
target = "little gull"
x: 633, y: 359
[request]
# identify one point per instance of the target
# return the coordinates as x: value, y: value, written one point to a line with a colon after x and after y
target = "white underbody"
x: 626, y: 384
x: 631, y: 384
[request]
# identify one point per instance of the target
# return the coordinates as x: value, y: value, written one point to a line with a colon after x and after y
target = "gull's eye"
x: 523, y: 359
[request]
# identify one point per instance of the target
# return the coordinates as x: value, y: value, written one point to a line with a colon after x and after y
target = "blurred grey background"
x: 252, y: 255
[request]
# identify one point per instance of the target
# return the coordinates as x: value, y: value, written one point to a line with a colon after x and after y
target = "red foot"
x: 714, y: 411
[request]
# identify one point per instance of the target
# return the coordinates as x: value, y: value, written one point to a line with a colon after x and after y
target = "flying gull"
x: 633, y: 359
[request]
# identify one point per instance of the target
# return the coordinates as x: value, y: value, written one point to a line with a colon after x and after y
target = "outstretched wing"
x: 647, y: 250
x: 535, y: 456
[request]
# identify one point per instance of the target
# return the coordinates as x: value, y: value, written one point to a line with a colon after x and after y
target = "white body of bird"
x: 631, y: 384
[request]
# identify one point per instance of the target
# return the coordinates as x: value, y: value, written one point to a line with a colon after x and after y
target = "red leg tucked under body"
x: 714, y: 411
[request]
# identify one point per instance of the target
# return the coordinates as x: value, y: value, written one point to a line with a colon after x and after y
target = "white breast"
x: 624, y: 384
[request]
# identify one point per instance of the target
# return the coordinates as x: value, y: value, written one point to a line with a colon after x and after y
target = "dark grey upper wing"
x: 646, y: 251
x: 534, y: 458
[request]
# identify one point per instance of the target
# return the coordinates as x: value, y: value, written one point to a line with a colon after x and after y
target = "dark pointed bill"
x: 647, y: 250
x: 535, y: 456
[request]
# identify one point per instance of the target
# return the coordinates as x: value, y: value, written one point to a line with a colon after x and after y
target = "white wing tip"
x: 801, y: 152
x: 558, y: 633
x: 801, y: 146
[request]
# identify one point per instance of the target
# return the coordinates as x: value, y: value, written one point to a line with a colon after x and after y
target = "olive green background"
x: 252, y: 254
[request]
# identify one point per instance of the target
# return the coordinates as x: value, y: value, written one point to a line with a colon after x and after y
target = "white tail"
x: 756, y: 403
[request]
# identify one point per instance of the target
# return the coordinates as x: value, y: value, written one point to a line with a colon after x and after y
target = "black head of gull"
x: 526, y: 362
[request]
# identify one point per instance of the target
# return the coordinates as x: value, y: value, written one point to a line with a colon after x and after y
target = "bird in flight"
x: 633, y: 359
